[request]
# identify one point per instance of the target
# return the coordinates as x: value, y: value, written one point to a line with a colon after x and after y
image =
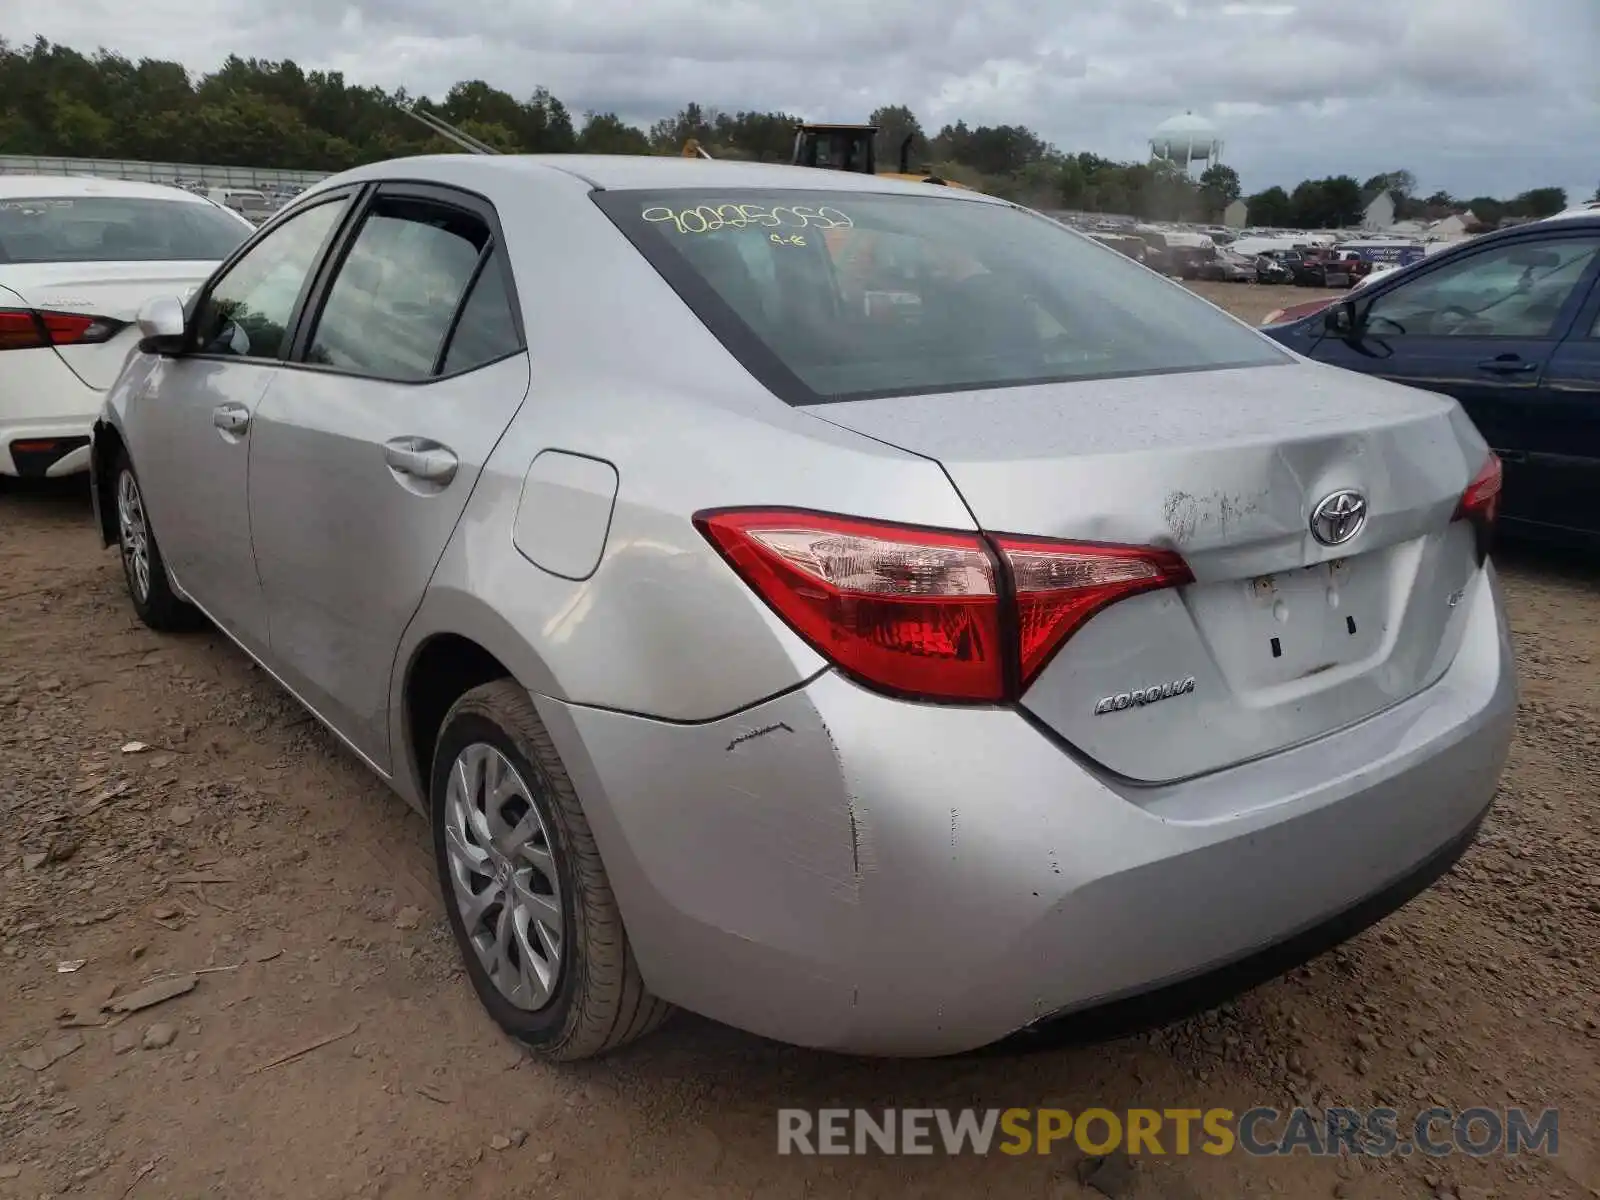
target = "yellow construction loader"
x: 844, y: 148
x: 854, y: 148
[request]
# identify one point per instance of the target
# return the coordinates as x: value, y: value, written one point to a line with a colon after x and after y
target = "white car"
x: 77, y: 258
x: 1379, y: 270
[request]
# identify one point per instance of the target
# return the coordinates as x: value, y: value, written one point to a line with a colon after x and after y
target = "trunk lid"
x: 103, y: 289
x: 1284, y: 638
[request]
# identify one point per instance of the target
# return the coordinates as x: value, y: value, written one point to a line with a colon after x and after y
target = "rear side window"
x: 829, y: 296
x: 395, y: 297
x: 62, y: 229
x: 486, y: 330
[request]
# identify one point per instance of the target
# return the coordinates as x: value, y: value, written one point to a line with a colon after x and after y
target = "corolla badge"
x: 1338, y: 517
x: 1139, y: 697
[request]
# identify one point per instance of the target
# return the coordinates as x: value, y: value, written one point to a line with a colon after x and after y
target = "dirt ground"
x: 240, y: 841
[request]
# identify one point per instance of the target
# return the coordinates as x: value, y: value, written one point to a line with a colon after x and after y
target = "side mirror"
x: 1339, y: 320
x: 161, y: 325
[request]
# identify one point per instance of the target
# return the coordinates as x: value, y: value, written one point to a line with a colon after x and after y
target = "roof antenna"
x: 447, y: 131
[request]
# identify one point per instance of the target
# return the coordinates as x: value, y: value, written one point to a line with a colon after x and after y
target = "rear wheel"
x: 527, y: 896
x: 143, y: 567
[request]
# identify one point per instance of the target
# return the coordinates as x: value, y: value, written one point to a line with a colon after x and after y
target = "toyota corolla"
x: 873, y: 616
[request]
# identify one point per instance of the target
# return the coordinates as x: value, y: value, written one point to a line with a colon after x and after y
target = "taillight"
x: 1480, y: 503
x: 930, y: 613
x: 1058, y: 586
x: 26, y: 329
x: 905, y: 609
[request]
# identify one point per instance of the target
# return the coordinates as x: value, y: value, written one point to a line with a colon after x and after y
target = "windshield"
x: 59, y: 229
x: 829, y: 296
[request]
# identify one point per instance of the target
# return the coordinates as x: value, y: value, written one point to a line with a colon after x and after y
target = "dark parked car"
x: 1508, y: 324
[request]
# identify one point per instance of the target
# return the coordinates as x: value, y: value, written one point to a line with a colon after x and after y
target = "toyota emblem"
x: 1338, y: 517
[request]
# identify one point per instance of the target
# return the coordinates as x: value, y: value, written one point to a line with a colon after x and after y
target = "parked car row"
x: 1222, y: 265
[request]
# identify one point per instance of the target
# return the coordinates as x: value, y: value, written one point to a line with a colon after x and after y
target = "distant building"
x: 1454, y: 226
x: 1379, y: 213
x: 1236, y: 215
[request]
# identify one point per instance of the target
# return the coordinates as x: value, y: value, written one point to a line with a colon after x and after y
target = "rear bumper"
x: 46, y: 413
x: 842, y: 870
x: 45, y: 449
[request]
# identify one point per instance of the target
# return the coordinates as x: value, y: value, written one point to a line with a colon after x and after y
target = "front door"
x: 1562, y: 488
x: 369, y: 444
x: 193, y: 421
x: 1481, y: 327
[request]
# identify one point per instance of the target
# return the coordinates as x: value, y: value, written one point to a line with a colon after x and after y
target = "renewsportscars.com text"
x: 1379, y: 1132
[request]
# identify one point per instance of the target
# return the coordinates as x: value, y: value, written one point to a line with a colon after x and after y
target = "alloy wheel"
x: 503, y: 875
x: 133, y: 534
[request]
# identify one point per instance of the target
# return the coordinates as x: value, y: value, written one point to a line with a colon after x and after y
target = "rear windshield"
x: 829, y: 296
x: 54, y: 229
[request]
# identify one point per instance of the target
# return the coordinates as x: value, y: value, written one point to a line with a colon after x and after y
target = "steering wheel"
x: 1464, y: 318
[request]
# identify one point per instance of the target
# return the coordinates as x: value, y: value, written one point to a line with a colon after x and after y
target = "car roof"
x: 24, y: 187
x: 623, y: 172
x: 1590, y: 208
x: 1584, y: 220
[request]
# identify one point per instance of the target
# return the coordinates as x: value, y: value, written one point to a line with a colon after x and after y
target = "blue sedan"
x: 1509, y: 325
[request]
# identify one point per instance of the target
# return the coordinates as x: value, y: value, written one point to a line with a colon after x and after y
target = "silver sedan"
x: 868, y: 614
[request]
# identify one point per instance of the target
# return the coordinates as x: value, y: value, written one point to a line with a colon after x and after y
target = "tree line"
x: 55, y: 100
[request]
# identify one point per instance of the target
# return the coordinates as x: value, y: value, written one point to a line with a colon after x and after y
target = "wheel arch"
x: 106, y: 447
x: 454, y: 643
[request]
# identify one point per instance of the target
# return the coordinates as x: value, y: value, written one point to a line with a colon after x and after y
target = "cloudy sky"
x: 1474, y: 96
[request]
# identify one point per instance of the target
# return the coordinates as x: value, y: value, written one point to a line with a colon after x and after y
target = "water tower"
x: 1185, y: 140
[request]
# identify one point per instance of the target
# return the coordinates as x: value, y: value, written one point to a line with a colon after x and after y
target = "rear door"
x: 404, y: 376
x: 1560, y: 480
x: 1480, y: 326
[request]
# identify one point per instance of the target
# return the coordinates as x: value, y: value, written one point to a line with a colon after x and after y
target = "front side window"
x: 393, y: 301
x: 833, y: 295
x: 1510, y: 291
x: 247, y: 313
x: 67, y: 229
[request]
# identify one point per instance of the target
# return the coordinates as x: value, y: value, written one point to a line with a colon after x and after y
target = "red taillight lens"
x: 1058, y: 586
x: 908, y: 610
x: 25, y: 329
x: 1481, y: 501
x: 20, y: 330
x: 929, y: 613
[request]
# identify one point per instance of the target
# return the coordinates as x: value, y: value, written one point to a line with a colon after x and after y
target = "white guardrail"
x: 157, y: 172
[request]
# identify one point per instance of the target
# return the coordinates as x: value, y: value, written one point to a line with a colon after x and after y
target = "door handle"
x: 1507, y: 366
x: 231, y: 418
x: 421, y: 459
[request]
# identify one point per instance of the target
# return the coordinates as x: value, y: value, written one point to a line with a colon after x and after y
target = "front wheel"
x: 527, y: 896
x: 143, y: 567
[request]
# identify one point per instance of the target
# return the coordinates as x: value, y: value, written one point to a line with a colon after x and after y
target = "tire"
x: 153, y: 599
x: 596, y: 1000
